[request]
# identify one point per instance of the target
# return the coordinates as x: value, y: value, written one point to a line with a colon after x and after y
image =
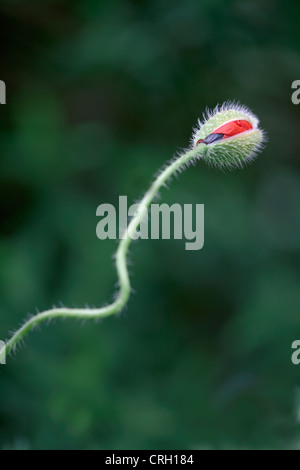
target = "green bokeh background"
x: 99, y: 95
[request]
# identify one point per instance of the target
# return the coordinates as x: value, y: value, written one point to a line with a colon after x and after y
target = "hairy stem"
x: 121, y: 260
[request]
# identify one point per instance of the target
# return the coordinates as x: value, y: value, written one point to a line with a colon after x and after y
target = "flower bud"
x: 231, y: 134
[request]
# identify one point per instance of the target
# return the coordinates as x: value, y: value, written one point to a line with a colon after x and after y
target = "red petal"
x: 233, y: 128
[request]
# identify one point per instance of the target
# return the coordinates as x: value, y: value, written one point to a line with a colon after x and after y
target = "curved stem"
x: 121, y: 262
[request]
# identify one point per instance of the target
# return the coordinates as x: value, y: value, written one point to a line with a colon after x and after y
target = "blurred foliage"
x: 100, y: 95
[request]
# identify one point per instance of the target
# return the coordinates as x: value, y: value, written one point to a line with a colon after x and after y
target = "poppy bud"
x: 231, y: 134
